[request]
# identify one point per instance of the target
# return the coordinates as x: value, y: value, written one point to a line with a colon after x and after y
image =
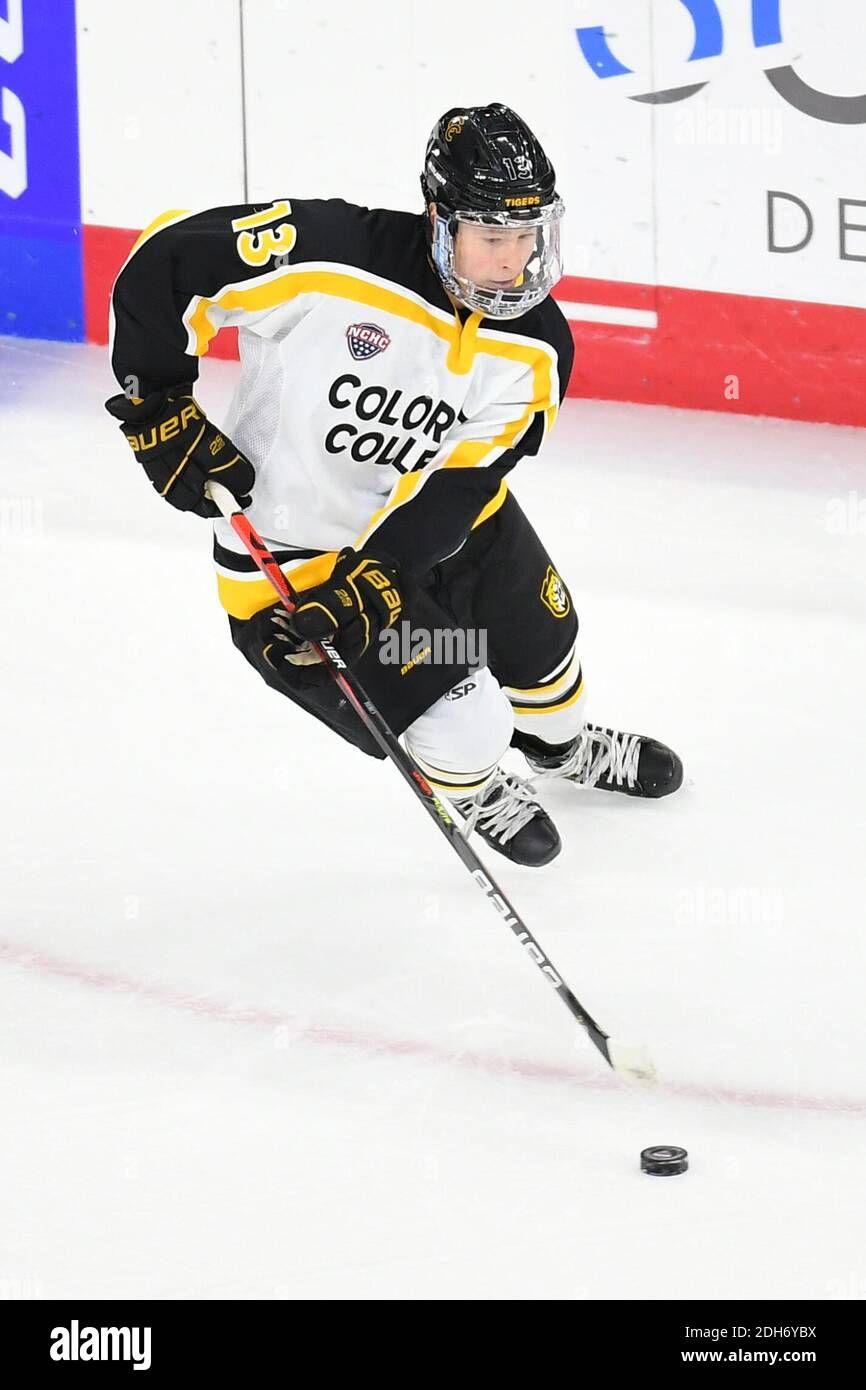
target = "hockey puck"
x: 663, y: 1160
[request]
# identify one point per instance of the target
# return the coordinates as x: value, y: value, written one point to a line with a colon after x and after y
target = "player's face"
x: 492, y: 257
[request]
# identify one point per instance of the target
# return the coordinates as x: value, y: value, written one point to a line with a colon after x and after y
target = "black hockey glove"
x: 361, y: 598
x: 180, y: 450
x: 281, y: 642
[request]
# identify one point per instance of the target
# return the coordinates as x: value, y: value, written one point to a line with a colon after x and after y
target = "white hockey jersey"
x: 376, y: 415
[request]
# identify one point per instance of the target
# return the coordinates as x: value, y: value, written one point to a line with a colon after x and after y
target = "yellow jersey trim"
x: 165, y: 219
x: 243, y: 598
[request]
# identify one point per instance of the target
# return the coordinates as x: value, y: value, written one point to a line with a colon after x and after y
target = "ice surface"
x: 262, y: 1037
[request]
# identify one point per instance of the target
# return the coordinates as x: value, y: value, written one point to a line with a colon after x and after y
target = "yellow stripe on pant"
x: 555, y: 710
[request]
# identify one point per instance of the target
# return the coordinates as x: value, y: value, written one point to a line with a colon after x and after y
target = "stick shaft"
x: 391, y: 747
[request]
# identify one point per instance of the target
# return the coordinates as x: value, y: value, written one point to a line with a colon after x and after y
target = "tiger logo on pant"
x: 554, y: 594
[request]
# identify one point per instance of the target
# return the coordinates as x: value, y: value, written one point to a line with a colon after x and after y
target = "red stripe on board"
x: 710, y: 351
x: 729, y: 352
x: 104, y: 249
x: 617, y: 294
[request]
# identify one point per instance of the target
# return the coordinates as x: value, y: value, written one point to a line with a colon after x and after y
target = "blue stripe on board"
x: 41, y: 279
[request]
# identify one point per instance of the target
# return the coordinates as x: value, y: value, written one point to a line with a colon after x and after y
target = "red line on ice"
x: 217, y: 1012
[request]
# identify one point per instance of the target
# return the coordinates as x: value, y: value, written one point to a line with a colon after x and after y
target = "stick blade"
x: 633, y: 1064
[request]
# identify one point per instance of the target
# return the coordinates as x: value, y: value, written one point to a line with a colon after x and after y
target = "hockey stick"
x: 633, y: 1064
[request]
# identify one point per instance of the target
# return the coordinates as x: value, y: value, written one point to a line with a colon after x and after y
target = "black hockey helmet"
x: 484, y: 165
x: 485, y: 159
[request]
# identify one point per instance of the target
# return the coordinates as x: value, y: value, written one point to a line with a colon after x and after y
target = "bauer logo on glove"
x: 361, y: 598
x: 167, y: 429
x: 180, y: 450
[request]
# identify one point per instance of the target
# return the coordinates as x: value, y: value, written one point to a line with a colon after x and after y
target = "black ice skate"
x: 609, y: 760
x: 507, y: 816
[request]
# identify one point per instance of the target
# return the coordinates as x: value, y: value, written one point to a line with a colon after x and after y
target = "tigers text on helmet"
x: 494, y: 236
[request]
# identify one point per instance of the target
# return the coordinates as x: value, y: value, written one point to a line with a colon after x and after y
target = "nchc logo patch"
x: 554, y: 594
x: 366, y: 340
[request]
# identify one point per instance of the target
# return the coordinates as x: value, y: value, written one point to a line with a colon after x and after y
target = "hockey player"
x: 394, y: 369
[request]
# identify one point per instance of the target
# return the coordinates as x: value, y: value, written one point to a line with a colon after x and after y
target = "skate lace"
x: 502, y: 815
x: 600, y: 753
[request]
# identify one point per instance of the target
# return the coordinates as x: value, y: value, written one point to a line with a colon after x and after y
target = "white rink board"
x: 339, y: 101
x: 720, y: 153
x: 160, y: 112
x: 335, y: 111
